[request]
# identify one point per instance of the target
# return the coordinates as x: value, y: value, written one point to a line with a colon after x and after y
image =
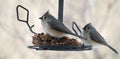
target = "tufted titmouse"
x: 54, y: 27
x: 92, y: 36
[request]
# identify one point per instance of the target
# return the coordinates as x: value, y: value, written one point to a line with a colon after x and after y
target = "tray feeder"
x: 43, y: 41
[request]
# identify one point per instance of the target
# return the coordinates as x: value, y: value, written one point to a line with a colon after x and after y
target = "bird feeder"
x: 43, y: 41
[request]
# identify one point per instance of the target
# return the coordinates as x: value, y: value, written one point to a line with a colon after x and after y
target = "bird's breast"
x: 51, y: 31
x: 89, y: 40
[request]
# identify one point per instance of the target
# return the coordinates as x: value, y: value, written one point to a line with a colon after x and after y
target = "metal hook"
x: 74, y: 23
x: 27, y: 19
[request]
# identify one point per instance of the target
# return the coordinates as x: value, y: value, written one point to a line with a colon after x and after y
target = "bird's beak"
x: 83, y: 28
x: 41, y: 18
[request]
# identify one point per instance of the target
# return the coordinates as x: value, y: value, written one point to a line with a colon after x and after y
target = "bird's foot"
x: 83, y: 45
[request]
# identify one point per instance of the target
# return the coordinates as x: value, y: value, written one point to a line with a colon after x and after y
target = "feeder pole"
x: 60, y: 10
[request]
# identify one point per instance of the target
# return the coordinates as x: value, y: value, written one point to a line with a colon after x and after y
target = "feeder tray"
x: 43, y: 41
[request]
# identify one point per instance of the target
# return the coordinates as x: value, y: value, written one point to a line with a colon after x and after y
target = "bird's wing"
x: 59, y: 26
x: 95, y: 36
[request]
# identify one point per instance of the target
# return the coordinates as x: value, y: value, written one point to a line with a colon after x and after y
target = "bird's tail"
x: 112, y: 49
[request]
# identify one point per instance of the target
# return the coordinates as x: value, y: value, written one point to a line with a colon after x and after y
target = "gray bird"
x: 93, y: 37
x: 54, y: 27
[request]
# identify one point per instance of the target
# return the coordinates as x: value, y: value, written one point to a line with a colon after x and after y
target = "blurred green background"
x: 15, y: 36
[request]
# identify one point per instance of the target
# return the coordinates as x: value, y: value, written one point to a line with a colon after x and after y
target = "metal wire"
x: 73, y: 27
x: 27, y: 19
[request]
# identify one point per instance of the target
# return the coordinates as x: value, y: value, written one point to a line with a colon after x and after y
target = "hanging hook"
x: 74, y: 23
x: 27, y: 19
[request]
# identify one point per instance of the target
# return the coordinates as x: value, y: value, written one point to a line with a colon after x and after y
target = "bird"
x: 54, y: 27
x: 93, y: 37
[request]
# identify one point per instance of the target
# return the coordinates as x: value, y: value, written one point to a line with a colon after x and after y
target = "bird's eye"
x: 45, y: 17
x: 88, y: 28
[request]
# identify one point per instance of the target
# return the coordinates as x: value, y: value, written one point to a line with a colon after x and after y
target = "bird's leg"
x: 83, y: 45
